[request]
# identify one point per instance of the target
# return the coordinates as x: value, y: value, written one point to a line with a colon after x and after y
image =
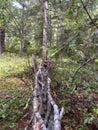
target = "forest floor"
x: 81, y: 105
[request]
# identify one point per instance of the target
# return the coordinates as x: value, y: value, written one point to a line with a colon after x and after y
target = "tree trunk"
x: 21, y: 43
x: 46, y: 113
x: 2, y: 40
x: 45, y: 30
x: 22, y: 30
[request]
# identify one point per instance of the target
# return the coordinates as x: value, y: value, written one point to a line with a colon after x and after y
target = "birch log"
x: 46, y: 113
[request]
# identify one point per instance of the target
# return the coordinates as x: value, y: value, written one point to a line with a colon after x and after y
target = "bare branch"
x: 73, y: 78
x: 89, y: 14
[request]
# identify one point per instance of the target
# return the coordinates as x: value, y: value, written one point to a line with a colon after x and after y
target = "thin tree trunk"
x: 2, y: 40
x: 22, y: 31
x: 45, y: 28
x: 21, y: 43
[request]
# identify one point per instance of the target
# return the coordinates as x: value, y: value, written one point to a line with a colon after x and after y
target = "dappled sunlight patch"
x: 11, y: 82
x: 10, y: 65
x: 15, y: 81
x: 96, y: 60
x: 65, y: 60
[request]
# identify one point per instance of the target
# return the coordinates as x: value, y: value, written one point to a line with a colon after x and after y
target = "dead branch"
x: 88, y: 14
x: 85, y: 63
x: 47, y: 115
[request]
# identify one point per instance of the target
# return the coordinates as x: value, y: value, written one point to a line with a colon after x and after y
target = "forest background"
x: 73, y: 48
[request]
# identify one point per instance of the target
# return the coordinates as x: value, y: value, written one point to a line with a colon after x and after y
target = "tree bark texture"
x: 2, y: 40
x: 45, y: 29
x: 21, y: 31
x: 46, y: 113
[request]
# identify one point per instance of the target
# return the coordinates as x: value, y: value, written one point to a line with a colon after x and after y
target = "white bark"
x: 47, y: 115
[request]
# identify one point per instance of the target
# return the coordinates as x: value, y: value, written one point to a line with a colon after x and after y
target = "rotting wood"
x: 46, y: 113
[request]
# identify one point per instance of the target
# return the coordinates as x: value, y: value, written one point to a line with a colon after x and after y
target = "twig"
x: 26, y: 128
x: 34, y: 63
x: 28, y: 101
x: 73, y: 78
x: 88, y: 14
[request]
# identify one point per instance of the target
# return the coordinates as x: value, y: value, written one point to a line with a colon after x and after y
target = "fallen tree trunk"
x: 46, y: 113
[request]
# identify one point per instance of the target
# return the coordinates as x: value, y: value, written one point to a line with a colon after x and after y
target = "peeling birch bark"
x: 46, y: 113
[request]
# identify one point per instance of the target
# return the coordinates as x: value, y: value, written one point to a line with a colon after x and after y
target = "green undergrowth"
x: 13, y: 92
x: 77, y: 93
x: 11, y: 64
x: 11, y: 111
x: 76, y: 88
